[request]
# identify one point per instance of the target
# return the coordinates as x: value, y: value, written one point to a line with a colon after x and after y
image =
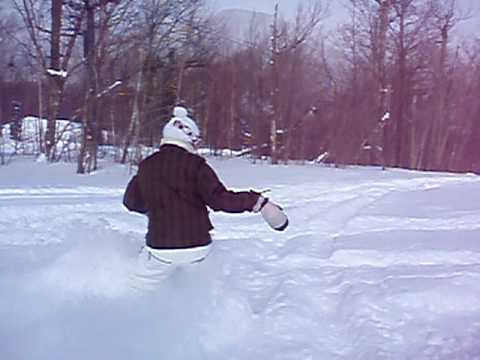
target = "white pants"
x: 155, y: 265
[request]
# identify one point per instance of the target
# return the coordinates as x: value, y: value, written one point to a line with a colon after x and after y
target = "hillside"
x: 244, y: 25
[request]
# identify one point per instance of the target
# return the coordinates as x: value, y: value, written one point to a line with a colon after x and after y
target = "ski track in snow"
x: 375, y: 265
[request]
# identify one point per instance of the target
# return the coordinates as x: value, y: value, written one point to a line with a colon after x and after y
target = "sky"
x: 338, y: 12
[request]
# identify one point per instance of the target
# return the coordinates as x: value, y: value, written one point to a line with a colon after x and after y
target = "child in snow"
x: 173, y: 187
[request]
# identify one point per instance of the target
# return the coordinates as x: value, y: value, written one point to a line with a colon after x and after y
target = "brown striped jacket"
x: 174, y: 187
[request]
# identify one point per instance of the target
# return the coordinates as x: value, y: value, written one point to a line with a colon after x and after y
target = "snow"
x: 67, y: 132
x: 109, y: 88
x: 322, y: 157
x: 375, y: 265
x: 60, y: 73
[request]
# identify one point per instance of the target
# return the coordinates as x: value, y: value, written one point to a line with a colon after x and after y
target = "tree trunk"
x: 232, y: 112
x: 55, y: 81
x: 90, y: 129
x: 441, y: 108
x: 2, y: 147
x: 402, y: 133
x: 292, y: 124
x: 134, y: 128
x: 384, y: 88
x: 274, y: 90
x: 40, y: 139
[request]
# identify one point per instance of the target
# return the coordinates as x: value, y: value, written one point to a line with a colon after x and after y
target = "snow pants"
x: 155, y: 265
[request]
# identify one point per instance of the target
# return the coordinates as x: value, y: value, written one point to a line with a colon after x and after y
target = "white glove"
x: 272, y: 214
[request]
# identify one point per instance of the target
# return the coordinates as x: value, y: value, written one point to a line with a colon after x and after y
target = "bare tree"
x: 468, y: 109
x: 60, y: 37
x: 446, y: 16
x: 362, y: 85
x: 165, y: 32
x: 286, y: 44
x: 384, y: 89
x: 101, y: 21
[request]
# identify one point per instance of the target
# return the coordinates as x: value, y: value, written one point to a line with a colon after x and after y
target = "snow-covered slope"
x: 376, y: 265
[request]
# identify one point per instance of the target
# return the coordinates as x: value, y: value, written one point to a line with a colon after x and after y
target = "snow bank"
x: 67, y: 133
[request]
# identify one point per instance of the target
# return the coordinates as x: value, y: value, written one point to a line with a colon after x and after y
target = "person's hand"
x: 272, y: 213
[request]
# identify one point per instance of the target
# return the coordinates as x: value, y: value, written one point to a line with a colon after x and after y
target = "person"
x: 175, y: 187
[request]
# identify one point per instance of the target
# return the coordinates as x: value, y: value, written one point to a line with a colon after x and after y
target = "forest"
x: 390, y: 87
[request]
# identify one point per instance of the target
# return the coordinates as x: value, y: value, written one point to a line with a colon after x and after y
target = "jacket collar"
x: 183, y: 144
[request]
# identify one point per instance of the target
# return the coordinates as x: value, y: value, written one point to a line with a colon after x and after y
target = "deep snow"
x: 375, y: 265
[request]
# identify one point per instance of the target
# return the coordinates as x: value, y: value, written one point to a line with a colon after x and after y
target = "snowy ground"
x: 376, y: 265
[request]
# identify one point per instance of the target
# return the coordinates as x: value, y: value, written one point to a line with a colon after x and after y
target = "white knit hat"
x: 181, y: 127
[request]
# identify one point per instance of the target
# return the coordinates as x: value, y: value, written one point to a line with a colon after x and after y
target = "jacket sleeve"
x: 217, y: 197
x: 133, y: 199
